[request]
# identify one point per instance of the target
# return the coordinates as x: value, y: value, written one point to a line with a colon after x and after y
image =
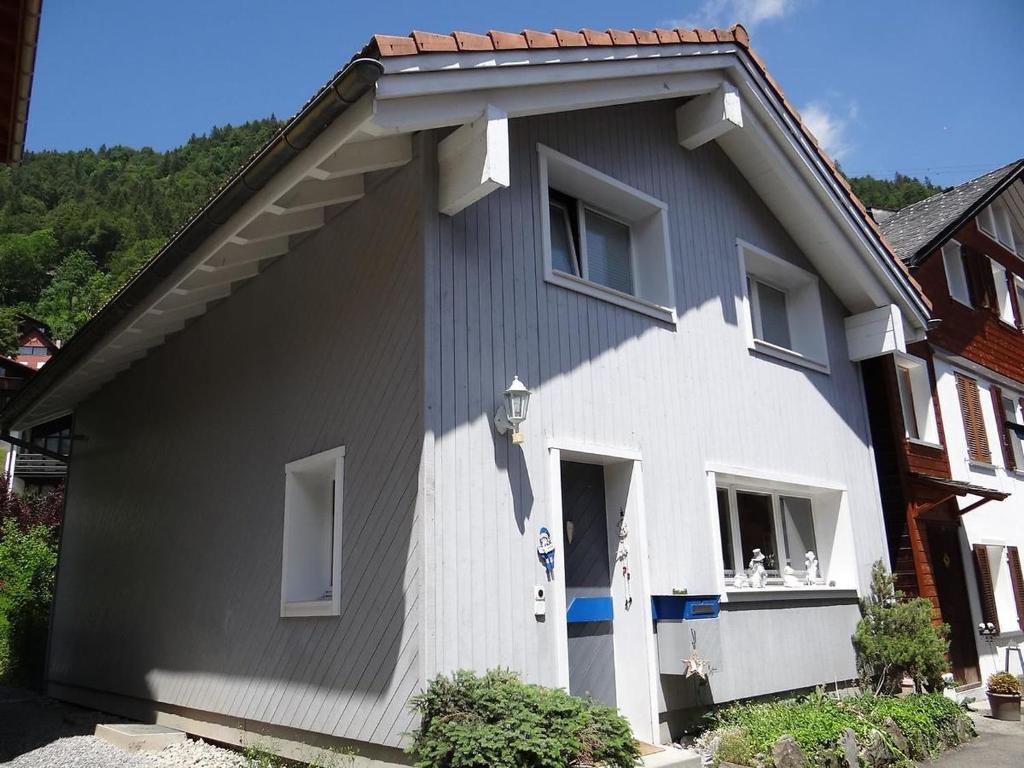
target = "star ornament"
x: 695, y: 665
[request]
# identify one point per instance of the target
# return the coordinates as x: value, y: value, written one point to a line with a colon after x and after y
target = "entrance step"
x: 671, y: 757
x: 136, y: 737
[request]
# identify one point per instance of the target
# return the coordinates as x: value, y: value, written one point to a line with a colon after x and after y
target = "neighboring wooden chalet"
x: 947, y: 417
x: 634, y: 224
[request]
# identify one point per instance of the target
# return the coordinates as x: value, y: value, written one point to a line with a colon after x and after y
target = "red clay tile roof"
x: 387, y: 46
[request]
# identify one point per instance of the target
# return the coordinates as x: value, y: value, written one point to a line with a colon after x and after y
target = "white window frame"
x: 956, y: 275
x: 330, y: 465
x: 996, y: 223
x: 1000, y: 276
x: 646, y: 217
x: 1016, y: 443
x: 919, y: 400
x: 1018, y: 288
x: 803, y: 306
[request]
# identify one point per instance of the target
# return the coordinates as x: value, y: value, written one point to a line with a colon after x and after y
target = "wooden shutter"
x: 980, y: 282
x: 1017, y: 578
x: 1004, y: 431
x: 974, y: 421
x: 986, y: 592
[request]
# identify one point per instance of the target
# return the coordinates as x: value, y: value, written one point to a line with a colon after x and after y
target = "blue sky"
x: 926, y: 87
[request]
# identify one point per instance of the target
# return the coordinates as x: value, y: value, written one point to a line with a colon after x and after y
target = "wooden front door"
x: 951, y: 585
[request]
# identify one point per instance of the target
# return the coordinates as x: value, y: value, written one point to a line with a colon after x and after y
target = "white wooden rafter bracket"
x: 706, y: 118
x: 473, y: 161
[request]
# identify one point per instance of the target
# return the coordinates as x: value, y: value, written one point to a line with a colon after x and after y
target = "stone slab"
x: 672, y: 758
x: 136, y: 737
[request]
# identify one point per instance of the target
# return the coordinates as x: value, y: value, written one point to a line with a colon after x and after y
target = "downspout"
x: 357, y: 78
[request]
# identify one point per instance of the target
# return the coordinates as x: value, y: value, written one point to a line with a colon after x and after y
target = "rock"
x: 898, y: 739
x: 787, y: 754
x: 877, y: 753
x: 828, y: 760
x: 964, y: 729
x: 851, y: 752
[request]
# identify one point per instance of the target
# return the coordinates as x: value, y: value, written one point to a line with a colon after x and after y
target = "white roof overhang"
x: 430, y: 91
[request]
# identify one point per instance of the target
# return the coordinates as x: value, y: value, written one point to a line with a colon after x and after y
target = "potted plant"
x: 1004, y: 696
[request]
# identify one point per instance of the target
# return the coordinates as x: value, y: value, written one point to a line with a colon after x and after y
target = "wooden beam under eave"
x: 173, y: 302
x: 233, y: 254
x: 269, y: 226
x: 198, y: 279
x: 473, y: 161
x: 705, y: 118
x: 313, y: 193
x: 364, y: 157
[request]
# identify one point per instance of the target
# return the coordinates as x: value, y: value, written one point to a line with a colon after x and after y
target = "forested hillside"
x: 75, y: 226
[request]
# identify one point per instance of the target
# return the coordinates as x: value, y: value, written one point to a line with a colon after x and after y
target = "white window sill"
x: 612, y: 296
x: 981, y: 466
x: 768, y: 594
x: 788, y: 355
x: 924, y: 443
x: 310, y: 608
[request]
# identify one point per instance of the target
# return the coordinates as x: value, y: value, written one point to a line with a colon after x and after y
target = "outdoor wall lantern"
x: 513, y: 413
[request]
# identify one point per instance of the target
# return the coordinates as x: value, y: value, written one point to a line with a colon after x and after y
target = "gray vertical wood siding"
x: 170, y: 576
x: 683, y: 396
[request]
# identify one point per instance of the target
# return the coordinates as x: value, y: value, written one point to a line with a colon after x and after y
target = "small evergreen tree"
x: 896, y: 638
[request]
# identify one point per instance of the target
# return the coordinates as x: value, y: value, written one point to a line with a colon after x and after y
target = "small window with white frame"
x: 780, y: 525
x: 956, y: 274
x: 1002, y: 284
x: 311, y: 561
x: 915, y: 394
x: 604, y: 238
x: 782, y: 309
x: 1013, y: 425
x: 996, y: 221
x: 1018, y: 289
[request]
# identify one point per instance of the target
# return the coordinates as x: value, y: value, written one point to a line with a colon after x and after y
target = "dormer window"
x: 996, y: 222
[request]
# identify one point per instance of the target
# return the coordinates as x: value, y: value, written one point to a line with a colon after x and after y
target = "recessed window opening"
x: 915, y: 394
x: 782, y: 309
x: 1002, y: 286
x: 604, y: 238
x: 311, y: 561
x: 1014, y: 427
x: 956, y: 273
x: 781, y: 525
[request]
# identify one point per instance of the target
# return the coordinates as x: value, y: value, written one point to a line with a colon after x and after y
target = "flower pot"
x: 1004, y: 706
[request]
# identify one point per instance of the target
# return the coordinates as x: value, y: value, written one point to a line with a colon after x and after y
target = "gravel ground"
x: 91, y: 752
x: 37, y: 732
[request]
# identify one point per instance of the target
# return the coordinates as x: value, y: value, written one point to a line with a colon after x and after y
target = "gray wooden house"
x: 636, y: 225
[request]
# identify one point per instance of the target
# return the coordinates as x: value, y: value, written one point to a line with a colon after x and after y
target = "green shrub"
x: 28, y: 560
x: 896, y: 638
x: 1003, y: 683
x: 497, y: 721
x: 747, y: 732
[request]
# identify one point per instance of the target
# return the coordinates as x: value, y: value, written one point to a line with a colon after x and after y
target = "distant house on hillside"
x: 948, y: 418
x: 635, y: 225
x: 35, y: 346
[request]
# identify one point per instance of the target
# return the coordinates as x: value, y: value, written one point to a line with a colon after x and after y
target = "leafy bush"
x: 746, y: 733
x: 497, y: 721
x: 896, y: 638
x: 1003, y: 683
x: 30, y: 509
x: 28, y: 561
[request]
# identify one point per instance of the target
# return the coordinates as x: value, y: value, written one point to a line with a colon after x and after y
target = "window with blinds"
x: 986, y: 587
x: 974, y: 420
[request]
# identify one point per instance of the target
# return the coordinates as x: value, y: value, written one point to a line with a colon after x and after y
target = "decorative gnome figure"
x: 811, y: 564
x: 758, y: 575
x: 546, y: 552
x: 789, y: 578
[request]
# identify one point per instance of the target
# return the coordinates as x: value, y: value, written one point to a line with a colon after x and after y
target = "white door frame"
x: 573, y: 450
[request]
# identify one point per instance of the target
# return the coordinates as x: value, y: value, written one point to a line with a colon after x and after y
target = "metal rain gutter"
x: 357, y: 78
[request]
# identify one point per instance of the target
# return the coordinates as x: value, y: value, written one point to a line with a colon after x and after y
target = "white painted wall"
x: 995, y: 523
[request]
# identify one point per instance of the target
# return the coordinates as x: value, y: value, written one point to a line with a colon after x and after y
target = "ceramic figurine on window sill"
x: 811, y: 566
x: 789, y: 578
x: 758, y: 575
x: 740, y: 580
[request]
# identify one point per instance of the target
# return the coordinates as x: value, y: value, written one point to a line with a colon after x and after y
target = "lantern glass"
x: 517, y: 401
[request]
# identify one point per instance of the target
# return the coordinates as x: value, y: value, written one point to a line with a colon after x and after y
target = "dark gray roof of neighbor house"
x: 915, y: 231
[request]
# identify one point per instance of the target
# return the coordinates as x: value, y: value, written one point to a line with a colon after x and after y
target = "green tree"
x: 892, y: 194
x: 10, y: 333
x: 77, y: 290
x: 895, y: 638
x: 24, y: 261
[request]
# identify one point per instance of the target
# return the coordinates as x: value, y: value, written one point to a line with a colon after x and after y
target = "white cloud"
x: 830, y: 127
x: 750, y: 13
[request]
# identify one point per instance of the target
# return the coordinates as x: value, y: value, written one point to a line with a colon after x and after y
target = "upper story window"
x: 974, y: 419
x: 1011, y: 427
x: 39, y: 351
x: 604, y: 238
x: 996, y: 222
x: 311, y: 561
x: 782, y: 308
x: 915, y: 393
x: 1003, y: 305
x: 956, y: 274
